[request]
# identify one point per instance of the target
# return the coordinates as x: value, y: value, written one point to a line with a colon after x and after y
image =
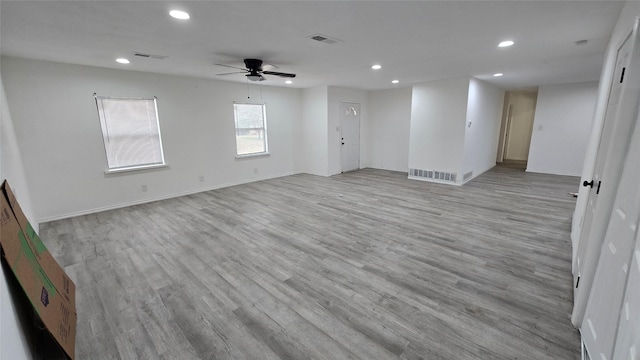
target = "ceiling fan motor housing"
x: 254, y: 65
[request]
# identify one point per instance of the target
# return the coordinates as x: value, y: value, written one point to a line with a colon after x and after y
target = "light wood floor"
x: 363, y: 265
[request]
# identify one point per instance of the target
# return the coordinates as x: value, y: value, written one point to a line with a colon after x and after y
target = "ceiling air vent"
x: 151, y: 56
x: 323, y: 39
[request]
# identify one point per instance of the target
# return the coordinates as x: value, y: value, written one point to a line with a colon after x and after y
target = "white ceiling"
x: 414, y: 41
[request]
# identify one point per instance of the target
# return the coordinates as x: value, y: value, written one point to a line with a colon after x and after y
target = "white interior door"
x: 522, y: 107
x: 350, y: 133
x: 614, y: 144
x: 608, y: 289
x: 628, y: 339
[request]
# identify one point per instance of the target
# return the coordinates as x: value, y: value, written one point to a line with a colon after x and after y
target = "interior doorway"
x: 517, y: 126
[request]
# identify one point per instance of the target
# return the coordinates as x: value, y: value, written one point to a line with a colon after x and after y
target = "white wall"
x: 482, y: 130
x: 336, y: 96
x: 438, y: 116
x: 13, y: 344
x: 561, y: 128
x: 314, y: 144
x: 59, y: 135
x: 390, y: 122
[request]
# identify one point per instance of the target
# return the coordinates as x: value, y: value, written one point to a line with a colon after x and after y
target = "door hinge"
x: 578, y: 282
x: 598, y: 190
x: 622, y: 75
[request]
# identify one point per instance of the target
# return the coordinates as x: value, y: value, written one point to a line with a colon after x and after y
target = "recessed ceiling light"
x: 498, y: 74
x: 506, y: 43
x: 288, y: 82
x: 395, y: 81
x: 376, y: 67
x: 123, y: 61
x: 179, y: 14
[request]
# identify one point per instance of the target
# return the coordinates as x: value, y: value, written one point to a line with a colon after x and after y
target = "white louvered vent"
x: 421, y: 174
x: 150, y: 56
x: 323, y: 39
x: 467, y: 176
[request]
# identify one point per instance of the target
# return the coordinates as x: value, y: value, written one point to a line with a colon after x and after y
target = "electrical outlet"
x: 201, y: 178
x: 143, y: 188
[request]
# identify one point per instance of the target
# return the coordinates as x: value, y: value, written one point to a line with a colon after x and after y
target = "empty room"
x: 319, y: 180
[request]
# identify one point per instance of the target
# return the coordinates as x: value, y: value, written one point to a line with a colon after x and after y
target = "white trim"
x: 477, y: 173
x: 135, y: 168
x: 96, y: 96
x: 434, y: 180
x: 157, y: 198
x: 245, y: 156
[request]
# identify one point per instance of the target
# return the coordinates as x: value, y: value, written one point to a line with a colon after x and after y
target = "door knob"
x: 588, y: 183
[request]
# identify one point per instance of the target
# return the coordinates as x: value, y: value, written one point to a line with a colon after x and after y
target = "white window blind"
x: 251, y: 129
x: 131, y: 132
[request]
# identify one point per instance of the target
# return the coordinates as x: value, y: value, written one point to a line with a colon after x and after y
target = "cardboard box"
x: 49, y: 289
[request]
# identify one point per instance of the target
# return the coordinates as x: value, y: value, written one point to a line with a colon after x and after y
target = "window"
x: 131, y: 133
x: 251, y: 129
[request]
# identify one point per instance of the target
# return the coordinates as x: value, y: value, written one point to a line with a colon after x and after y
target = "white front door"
x: 618, y: 126
x: 350, y: 136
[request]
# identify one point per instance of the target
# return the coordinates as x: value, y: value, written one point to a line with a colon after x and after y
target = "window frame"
x: 263, y: 128
x: 103, y: 118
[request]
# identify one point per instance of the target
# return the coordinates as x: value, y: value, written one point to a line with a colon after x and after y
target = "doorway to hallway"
x: 517, y: 126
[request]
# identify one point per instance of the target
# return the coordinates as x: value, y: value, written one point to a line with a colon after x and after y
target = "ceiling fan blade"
x: 281, y: 74
x: 233, y: 67
x: 235, y: 72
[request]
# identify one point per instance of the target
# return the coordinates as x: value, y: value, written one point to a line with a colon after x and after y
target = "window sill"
x: 135, y: 168
x: 248, y: 156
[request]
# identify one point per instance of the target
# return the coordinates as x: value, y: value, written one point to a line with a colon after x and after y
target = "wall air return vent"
x: 432, y: 175
x: 150, y: 56
x: 467, y: 176
x: 323, y: 39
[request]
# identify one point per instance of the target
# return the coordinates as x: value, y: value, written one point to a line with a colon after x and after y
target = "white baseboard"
x: 152, y: 199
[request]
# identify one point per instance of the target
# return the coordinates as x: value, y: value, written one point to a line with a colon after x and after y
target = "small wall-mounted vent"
x: 443, y: 176
x: 150, y: 56
x: 323, y: 39
x: 467, y: 176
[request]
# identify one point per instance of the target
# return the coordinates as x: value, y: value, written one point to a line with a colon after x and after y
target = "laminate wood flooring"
x: 362, y: 265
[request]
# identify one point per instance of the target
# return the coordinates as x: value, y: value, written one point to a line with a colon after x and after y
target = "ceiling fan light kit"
x: 255, y: 77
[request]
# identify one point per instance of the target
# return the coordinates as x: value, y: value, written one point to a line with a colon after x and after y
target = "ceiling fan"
x: 254, y: 70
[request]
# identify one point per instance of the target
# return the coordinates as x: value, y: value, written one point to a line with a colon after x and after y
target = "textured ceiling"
x: 414, y: 41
